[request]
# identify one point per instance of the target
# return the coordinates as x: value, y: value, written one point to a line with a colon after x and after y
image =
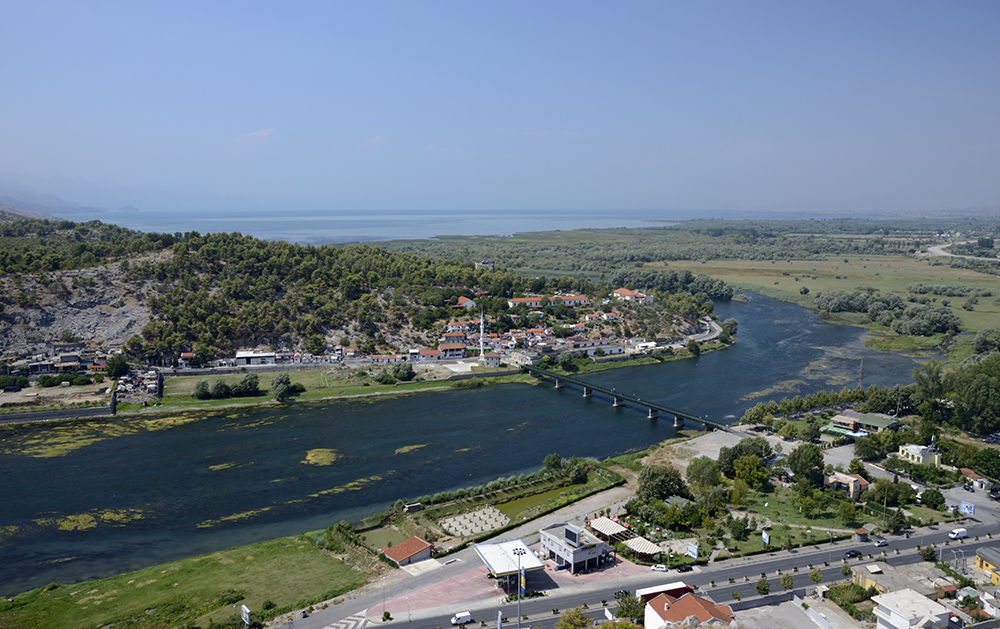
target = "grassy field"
x: 290, y: 572
x: 784, y: 280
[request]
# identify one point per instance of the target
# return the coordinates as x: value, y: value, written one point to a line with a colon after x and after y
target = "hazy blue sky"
x: 470, y: 105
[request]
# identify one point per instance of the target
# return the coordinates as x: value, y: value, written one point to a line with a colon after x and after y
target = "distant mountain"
x: 128, y: 209
x: 42, y: 202
x: 11, y: 213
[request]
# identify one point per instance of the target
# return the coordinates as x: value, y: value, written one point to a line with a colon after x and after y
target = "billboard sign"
x: 692, y: 550
x: 245, y: 615
x: 764, y: 535
x: 967, y: 508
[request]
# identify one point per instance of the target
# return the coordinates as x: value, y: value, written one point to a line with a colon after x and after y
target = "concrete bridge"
x: 620, y: 399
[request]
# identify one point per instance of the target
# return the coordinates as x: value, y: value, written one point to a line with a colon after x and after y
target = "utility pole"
x: 519, y: 552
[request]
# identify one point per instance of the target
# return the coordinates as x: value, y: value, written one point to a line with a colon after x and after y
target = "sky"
x: 505, y: 105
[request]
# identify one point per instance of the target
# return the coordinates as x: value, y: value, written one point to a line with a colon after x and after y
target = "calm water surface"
x: 136, y: 493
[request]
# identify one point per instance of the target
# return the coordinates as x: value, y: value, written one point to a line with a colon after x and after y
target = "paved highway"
x: 744, y: 571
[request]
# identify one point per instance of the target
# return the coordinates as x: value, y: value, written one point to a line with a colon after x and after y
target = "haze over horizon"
x: 473, y: 106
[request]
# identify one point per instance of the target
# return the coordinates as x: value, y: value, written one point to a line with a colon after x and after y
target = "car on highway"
x: 851, y: 554
x: 684, y: 568
x: 659, y: 568
x: 879, y: 543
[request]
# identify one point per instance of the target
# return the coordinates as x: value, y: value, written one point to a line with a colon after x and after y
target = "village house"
x: 490, y: 359
x: 452, y: 350
x: 624, y: 294
x: 453, y: 337
x: 976, y: 480
x: 665, y: 609
x: 853, y: 484
x: 387, y: 359
x: 920, y: 455
x: 409, y: 551
x: 464, y: 302
x: 988, y: 560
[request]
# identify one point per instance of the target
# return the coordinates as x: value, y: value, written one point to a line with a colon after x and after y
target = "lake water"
x: 317, y: 227
x: 91, y: 499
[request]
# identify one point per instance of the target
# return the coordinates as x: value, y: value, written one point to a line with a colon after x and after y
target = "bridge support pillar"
x: 618, y: 402
x: 653, y: 413
x: 559, y: 384
x: 678, y: 421
x: 588, y: 392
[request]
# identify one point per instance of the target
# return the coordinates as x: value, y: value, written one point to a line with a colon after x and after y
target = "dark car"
x: 969, y: 488
x: 621, y: 593
x: 684, y: 568
x: 851, y: 554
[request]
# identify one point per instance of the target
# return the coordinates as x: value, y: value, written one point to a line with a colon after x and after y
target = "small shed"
x: 861, y: 535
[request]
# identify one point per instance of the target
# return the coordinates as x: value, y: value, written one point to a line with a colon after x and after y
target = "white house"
x: 903, y: 609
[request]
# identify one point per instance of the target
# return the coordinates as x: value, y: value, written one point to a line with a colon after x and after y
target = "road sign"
x: 245, y: 615
x: 967, y: 508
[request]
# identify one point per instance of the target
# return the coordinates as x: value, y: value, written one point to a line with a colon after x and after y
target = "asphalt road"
x: 744, y: 572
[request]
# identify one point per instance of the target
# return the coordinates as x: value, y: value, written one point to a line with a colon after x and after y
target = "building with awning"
x: 642, y: 546
x: 609, y: 530
x: 502, y: 561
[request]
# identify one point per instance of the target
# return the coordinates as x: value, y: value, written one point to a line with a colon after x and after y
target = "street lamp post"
x: 519, y: 552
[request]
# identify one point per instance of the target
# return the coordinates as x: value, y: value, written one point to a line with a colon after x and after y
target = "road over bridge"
x: 621, y: 399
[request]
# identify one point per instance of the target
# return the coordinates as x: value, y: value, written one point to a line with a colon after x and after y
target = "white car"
x: 881, y: 542
x: 659, y: 568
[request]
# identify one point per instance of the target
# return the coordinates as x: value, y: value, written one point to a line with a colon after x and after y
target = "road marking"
x: 356, y: 621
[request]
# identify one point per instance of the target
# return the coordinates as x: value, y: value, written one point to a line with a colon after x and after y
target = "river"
x: 90, y: 499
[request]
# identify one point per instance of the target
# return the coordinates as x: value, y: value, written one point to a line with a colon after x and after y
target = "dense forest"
x: 216, y: 293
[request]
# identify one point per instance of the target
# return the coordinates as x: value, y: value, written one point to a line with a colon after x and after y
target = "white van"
x: 958, y: 533
x: 461, y: 618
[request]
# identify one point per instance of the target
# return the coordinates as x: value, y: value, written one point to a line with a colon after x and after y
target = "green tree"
x: 763, y: 587
x: 933, y: 499
x: 751, y: 471
x: 857, y: 467
x: 631, y: 607
x: 117, y: 367
x: 928, y: 553
x: 809, y: 432
x: 281, y: 387
x: 845, y: 570
x: 789, y: 431
x: 808, y: 506
x: 694, y: 348
x: 806, y: 462
x: 553, y: 462
x: 657, y: 482
x: 703, y: 473
x: 573, y: 619
x: 847, y: 513
x: 220, y: 390
x: 866, y: 449
x: 787, y: 581
x: 816, y: 575
x: 201, y: 390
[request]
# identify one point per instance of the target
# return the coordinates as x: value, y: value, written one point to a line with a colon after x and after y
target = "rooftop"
x: 909, y: 604
x: 923, y: 578
x: 406, y: 549
x: 672, y: 609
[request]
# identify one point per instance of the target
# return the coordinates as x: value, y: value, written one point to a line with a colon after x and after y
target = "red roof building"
x: 410, y: 551
x: 665, y: 608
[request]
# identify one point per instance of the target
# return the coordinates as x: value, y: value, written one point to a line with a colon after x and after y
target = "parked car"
x: 851, y: 554
x: 969, y: 488
x: 684, y: 568
x: 659, y: 568
x: 879, y: 543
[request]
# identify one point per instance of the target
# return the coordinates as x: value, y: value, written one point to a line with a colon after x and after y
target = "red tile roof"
x: 404, y: 550
x: 672, y: 609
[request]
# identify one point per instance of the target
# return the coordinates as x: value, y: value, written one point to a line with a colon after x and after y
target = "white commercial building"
x: 904, y: 609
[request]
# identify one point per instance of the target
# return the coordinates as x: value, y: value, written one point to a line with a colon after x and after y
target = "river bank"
x: 105, y: 496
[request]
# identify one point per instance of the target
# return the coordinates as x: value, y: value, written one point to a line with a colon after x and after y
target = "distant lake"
x: 318, y: 227
x: 93, y: 499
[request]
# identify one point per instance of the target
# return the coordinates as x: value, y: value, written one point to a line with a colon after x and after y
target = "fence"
x: 56, y: 415
x: 771, y: 599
